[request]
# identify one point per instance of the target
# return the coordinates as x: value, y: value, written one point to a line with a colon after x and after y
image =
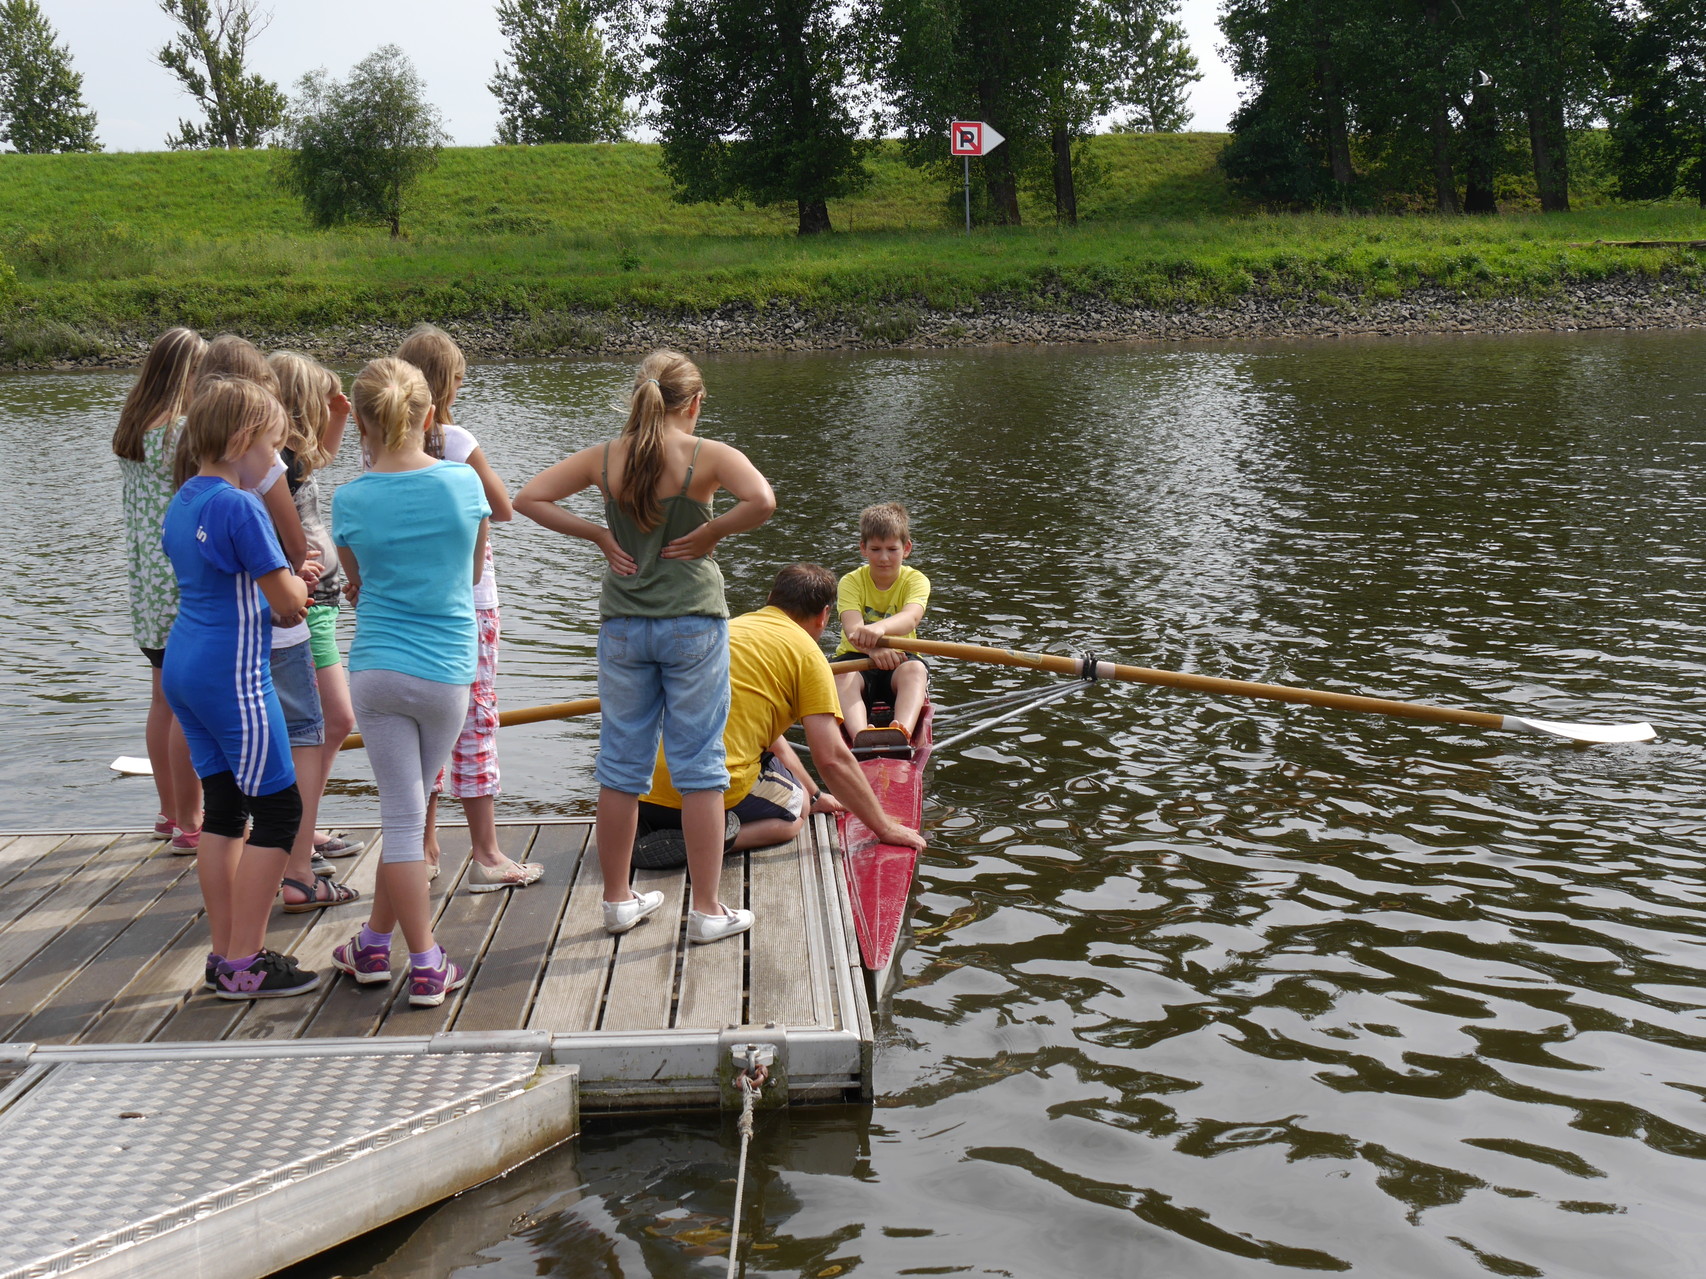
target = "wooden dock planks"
x: 103, y: 942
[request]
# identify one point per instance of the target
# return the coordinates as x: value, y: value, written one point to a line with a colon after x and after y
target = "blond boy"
x: 884, y: 597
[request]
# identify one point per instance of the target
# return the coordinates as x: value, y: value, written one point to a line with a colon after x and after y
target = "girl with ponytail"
x: 663, y: 645
x: 411, y: 535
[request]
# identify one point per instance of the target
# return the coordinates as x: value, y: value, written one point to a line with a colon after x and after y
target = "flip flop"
x: 312, y: 900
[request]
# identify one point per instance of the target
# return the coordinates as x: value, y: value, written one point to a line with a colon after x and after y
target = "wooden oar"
x: 521, y: 715
x: 1278, y: 692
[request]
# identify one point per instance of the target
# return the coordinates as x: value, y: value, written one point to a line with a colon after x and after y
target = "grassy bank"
x: 110, y: 245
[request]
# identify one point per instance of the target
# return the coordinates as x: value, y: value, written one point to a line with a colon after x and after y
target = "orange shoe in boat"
x: 889, y: 737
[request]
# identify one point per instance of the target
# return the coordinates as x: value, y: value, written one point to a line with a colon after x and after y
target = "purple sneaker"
x: 429, y: 986
x: 367, y: 964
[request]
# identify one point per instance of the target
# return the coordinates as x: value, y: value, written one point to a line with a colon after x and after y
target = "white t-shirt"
x: 282, y: 636
x: 458, y: 444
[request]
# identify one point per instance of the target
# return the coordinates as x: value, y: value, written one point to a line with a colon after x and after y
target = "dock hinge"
x: 740, y: 1049
x: 490, y: 1041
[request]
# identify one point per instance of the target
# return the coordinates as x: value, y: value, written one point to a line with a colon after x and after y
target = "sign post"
x: 967, y: 138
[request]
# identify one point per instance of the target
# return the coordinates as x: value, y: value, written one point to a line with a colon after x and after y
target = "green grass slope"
x: 127, y: 244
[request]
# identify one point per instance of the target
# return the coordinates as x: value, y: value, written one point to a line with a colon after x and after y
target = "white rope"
x: 748, y: 1095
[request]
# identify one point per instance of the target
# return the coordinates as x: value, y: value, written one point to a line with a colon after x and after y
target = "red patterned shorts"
x: 473, y: 770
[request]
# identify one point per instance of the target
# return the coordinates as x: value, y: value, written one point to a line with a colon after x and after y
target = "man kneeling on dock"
x: 777, y: 675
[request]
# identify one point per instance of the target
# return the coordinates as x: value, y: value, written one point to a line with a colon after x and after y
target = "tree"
x: 1659, y: 129
x: 561, y: 84
x: 357, y: 148
x: 41, y: 97
x: 1001, y: 61
x: 209, y: 55
x: 755, y: 103
x: 1125, y: 54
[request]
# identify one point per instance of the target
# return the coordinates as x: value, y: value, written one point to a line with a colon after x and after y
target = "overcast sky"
x: 453, y: 43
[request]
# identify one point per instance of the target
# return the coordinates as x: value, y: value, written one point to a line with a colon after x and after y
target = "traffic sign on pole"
x: 967, y: 138
x: 972, y: 137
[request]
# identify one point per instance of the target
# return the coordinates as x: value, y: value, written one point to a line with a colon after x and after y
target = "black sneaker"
x: 667, y: 849
x: 269, y: 976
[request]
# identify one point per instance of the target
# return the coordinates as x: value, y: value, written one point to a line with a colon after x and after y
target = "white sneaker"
x: 704, y: 928
x: 619, y: 917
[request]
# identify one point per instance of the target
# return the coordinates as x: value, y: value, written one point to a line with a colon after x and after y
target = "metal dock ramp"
x: 214, y: 1138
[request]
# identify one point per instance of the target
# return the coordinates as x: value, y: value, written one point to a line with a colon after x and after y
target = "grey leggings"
x: 408, y: 725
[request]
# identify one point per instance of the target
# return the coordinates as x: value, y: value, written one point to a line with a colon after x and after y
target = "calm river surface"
x: 1200, y: 988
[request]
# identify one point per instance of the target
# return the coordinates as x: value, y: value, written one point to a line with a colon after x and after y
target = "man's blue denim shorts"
x: 668, y: 677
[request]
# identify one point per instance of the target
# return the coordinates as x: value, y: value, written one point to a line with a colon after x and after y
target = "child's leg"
x: 159, y: 738
x: 340, y: 723
x: 850, y: 688
x: 618, y: 814
x: 473, y: 773
x: 910, y: 681
x: 260, y: 868
x: 696, y: 710
x: 186, y: 786
x: 216, y: 871
x: 630, y: 689
x: 408, y: 725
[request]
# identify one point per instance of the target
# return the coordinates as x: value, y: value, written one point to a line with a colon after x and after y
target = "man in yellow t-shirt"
x: 882, y: 597
x: 777, y: 675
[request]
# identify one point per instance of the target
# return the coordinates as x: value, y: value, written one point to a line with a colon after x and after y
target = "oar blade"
x: 1600, y: 734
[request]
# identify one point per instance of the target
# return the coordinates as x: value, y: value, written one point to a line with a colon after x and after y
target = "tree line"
x: 1356, y: 102
x: 753, y: 101
x: 1347, y: 103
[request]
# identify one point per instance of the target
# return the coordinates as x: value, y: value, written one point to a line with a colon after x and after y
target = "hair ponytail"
x: 665, y: 382
x: 392, y: 399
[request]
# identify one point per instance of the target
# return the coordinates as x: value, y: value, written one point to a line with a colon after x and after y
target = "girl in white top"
x: 473, y: 776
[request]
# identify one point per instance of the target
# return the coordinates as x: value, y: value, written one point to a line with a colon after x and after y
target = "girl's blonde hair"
x: 224, y: 418
x: 431, y: 350
x: 391, y: 397
x: 231, y: 356
x: 305, y: 389
x: 664, y: 383
x: 162, y: 389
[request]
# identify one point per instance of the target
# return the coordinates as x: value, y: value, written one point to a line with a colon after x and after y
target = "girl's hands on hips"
x: 691, y: 546
x: 621, y: 563
x: 352, y: 593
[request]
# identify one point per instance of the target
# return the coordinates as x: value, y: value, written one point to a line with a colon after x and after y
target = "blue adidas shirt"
x: 413, y: 535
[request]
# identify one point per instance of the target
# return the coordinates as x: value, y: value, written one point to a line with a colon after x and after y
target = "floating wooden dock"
x: 105, y: 1025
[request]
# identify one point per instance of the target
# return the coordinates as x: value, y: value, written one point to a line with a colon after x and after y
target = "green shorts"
x: 323, y: 634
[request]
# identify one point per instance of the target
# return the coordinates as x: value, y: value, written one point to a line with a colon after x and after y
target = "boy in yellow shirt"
x: 883, y: 597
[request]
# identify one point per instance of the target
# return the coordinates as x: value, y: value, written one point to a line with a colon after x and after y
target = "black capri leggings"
x: 226, y: 812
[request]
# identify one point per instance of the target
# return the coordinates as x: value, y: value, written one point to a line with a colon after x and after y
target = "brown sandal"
x: 333, y: 894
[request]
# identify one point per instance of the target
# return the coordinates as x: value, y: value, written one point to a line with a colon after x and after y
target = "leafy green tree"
x: 209, y: 55
x: 1125, y: 55
x: 41, y: 97
x: 561, y: 85
x: 1292, y: 137
x: 357, y: 148
x: 1659, y: 128
x: 1001, y: 61
x: 755, y: 103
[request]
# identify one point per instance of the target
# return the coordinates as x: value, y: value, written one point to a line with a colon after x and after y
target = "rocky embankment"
x: 1635, y: 302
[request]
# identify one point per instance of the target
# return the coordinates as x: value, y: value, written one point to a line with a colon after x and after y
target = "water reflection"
x: 1197, y: 988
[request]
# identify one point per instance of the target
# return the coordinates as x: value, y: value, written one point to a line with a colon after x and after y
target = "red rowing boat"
x: 879, y: 876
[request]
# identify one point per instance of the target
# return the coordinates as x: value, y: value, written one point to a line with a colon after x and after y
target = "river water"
x: 1200, y: 988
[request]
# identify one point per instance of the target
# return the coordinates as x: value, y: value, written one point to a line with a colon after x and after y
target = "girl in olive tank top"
x: 663, y: 670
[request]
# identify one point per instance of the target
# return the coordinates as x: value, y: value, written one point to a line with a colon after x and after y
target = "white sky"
x: 138, y: 104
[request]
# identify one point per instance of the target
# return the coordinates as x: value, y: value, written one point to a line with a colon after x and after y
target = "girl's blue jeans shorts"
x: 665, y: 676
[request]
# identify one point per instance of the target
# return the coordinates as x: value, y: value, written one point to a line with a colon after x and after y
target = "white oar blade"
x: 131, y: 766
x: 1598, y: 733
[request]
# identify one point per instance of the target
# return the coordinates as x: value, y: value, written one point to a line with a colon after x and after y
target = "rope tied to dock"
x: 749, y: 1081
